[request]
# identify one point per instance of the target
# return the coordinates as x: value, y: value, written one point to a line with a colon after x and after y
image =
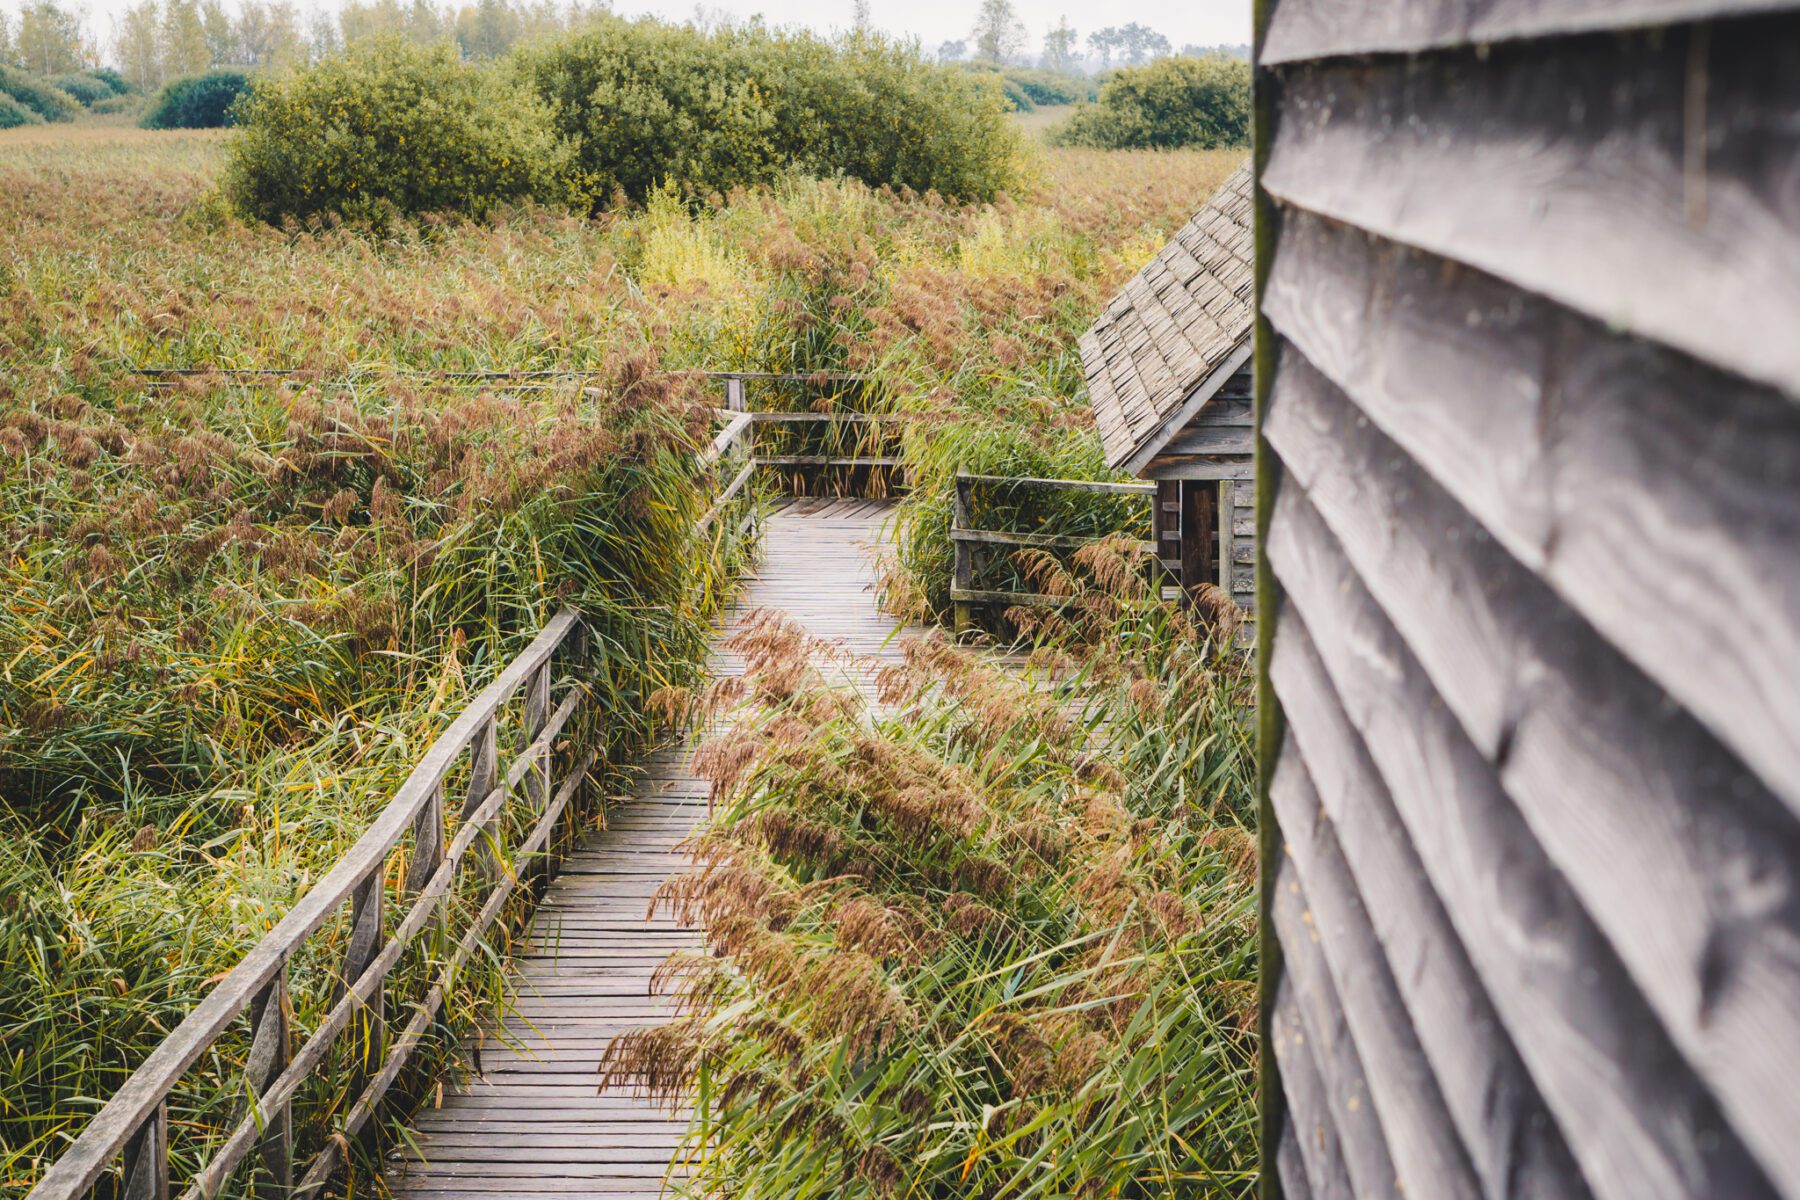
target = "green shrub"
x: 1051, y: 87
x: 86, y: 89
x: 118, y: 104
x: 1173, y: 102
x: 118, y: 83
x: 1017, y: 97
x: 14, y: 114
x: 392, y: 129
x: 46, y: 100
x: 197, y: 101
x: 646, y: 103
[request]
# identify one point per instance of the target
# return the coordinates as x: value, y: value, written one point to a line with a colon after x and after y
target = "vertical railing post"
x: 147, y: 1158
x: 484, y: 770
x: 269, y: 1034
x: 1165, y: 530
x: 366, y: 937
x: 964, y: 577
x: 427, y: 857
x: 535, y: 786
x: 734, y: 394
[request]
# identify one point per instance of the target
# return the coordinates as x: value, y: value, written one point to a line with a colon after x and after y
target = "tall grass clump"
x: 13, y: 114
x: 1171, y: 103
x: 392, y: 129
x: 996, y: 940
x: 647, y: 103
x: 39, y: 95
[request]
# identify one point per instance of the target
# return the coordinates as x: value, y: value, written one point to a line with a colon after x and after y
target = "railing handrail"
x: 137, y: 1099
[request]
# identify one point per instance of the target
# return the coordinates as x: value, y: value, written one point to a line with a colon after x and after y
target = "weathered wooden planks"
x: 1529, y: 395
x: 532, y: 1121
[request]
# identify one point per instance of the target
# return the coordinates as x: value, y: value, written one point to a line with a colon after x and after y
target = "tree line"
x: 999, y: 36
x: 154, y: 41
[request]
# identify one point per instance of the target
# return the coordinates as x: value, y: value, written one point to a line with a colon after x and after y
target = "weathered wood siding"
x: 1529, y: 395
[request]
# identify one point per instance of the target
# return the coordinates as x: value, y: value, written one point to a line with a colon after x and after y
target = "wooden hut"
x: 1168, y: 372
x: 1529, y: 385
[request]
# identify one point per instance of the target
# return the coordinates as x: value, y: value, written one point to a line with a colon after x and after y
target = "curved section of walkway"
x: 531, y: 1121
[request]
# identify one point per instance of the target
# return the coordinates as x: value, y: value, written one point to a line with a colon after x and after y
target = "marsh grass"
x: 994, y: 938
x: 236, y: 613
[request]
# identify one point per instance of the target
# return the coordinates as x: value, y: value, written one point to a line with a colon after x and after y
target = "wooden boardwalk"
x: 532, y: 1122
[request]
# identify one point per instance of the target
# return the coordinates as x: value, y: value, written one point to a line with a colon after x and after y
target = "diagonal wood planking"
x: 532, y: 1122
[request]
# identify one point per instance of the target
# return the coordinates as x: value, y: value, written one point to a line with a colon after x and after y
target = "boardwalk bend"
x: 529, y: 1118
x: 531, y: 1121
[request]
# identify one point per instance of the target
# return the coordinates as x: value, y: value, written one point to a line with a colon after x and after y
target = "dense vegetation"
x: 389, y: 129
x: 1171, y: 103
x: 609, y: 113
x: 241, y: 610
x: 41, y: 98
x: 997, y: 941
x: 197, y: 101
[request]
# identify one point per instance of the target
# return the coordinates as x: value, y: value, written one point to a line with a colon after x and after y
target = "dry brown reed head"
x: 658, y: 1062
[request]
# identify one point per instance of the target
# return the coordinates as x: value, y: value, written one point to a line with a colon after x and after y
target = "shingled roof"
x: 1177, y: 332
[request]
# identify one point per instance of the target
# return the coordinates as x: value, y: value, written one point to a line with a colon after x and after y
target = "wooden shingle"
x: 1169, y: 329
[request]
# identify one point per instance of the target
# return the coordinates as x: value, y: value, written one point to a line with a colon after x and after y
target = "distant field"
x: 1038, y: 123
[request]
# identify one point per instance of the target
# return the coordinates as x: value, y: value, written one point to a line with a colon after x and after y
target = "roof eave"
x: 1151, y: 444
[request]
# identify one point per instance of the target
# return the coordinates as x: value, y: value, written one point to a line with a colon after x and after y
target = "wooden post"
x: 147, y: 1158
x: 734, y: 395
x: 964, y: 578
x: 483, y: 772
x: 366, y: 937
x: 535, y: 786
x: 1165, y: 531
x: 268, y: 1059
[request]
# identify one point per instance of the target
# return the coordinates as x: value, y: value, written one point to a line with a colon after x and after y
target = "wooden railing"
x: 134, y: 1123
x: 971, y: 542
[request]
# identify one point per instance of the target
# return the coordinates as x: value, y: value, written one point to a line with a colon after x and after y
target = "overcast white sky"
x: 1202, y: 22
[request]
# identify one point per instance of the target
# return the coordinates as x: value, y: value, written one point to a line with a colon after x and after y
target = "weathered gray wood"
x: 146, y: 1174
x: 727, y: 437
x: 1638, y: 484
x: 1310, y: 1120
x: 1199, y: 467
x: 268, y: 1058
x: 1715, y: 963
x: 1310, y: 29
x: 1207, y: 442
x: 1419, y: 1130
x: 725, y: 497
x: 1483, y: 161
x: 484, y: 768
x: 1361, y: 1138
x: 532, y: 1122
x: 106, y: 1134
x: 1516, y: 1146
x: 1634, y: 1116
x: 1074, y: 485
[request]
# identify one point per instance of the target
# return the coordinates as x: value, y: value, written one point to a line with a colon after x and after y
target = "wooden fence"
x: 547, y: 686
x: 1529, y: 395
x: 972, y: 543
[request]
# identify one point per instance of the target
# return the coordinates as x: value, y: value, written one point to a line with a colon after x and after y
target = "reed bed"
x: 238, y: 608
x: 993, y: 939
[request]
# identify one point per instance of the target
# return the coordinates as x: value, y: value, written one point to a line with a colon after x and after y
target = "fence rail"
x: 967, y: 539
